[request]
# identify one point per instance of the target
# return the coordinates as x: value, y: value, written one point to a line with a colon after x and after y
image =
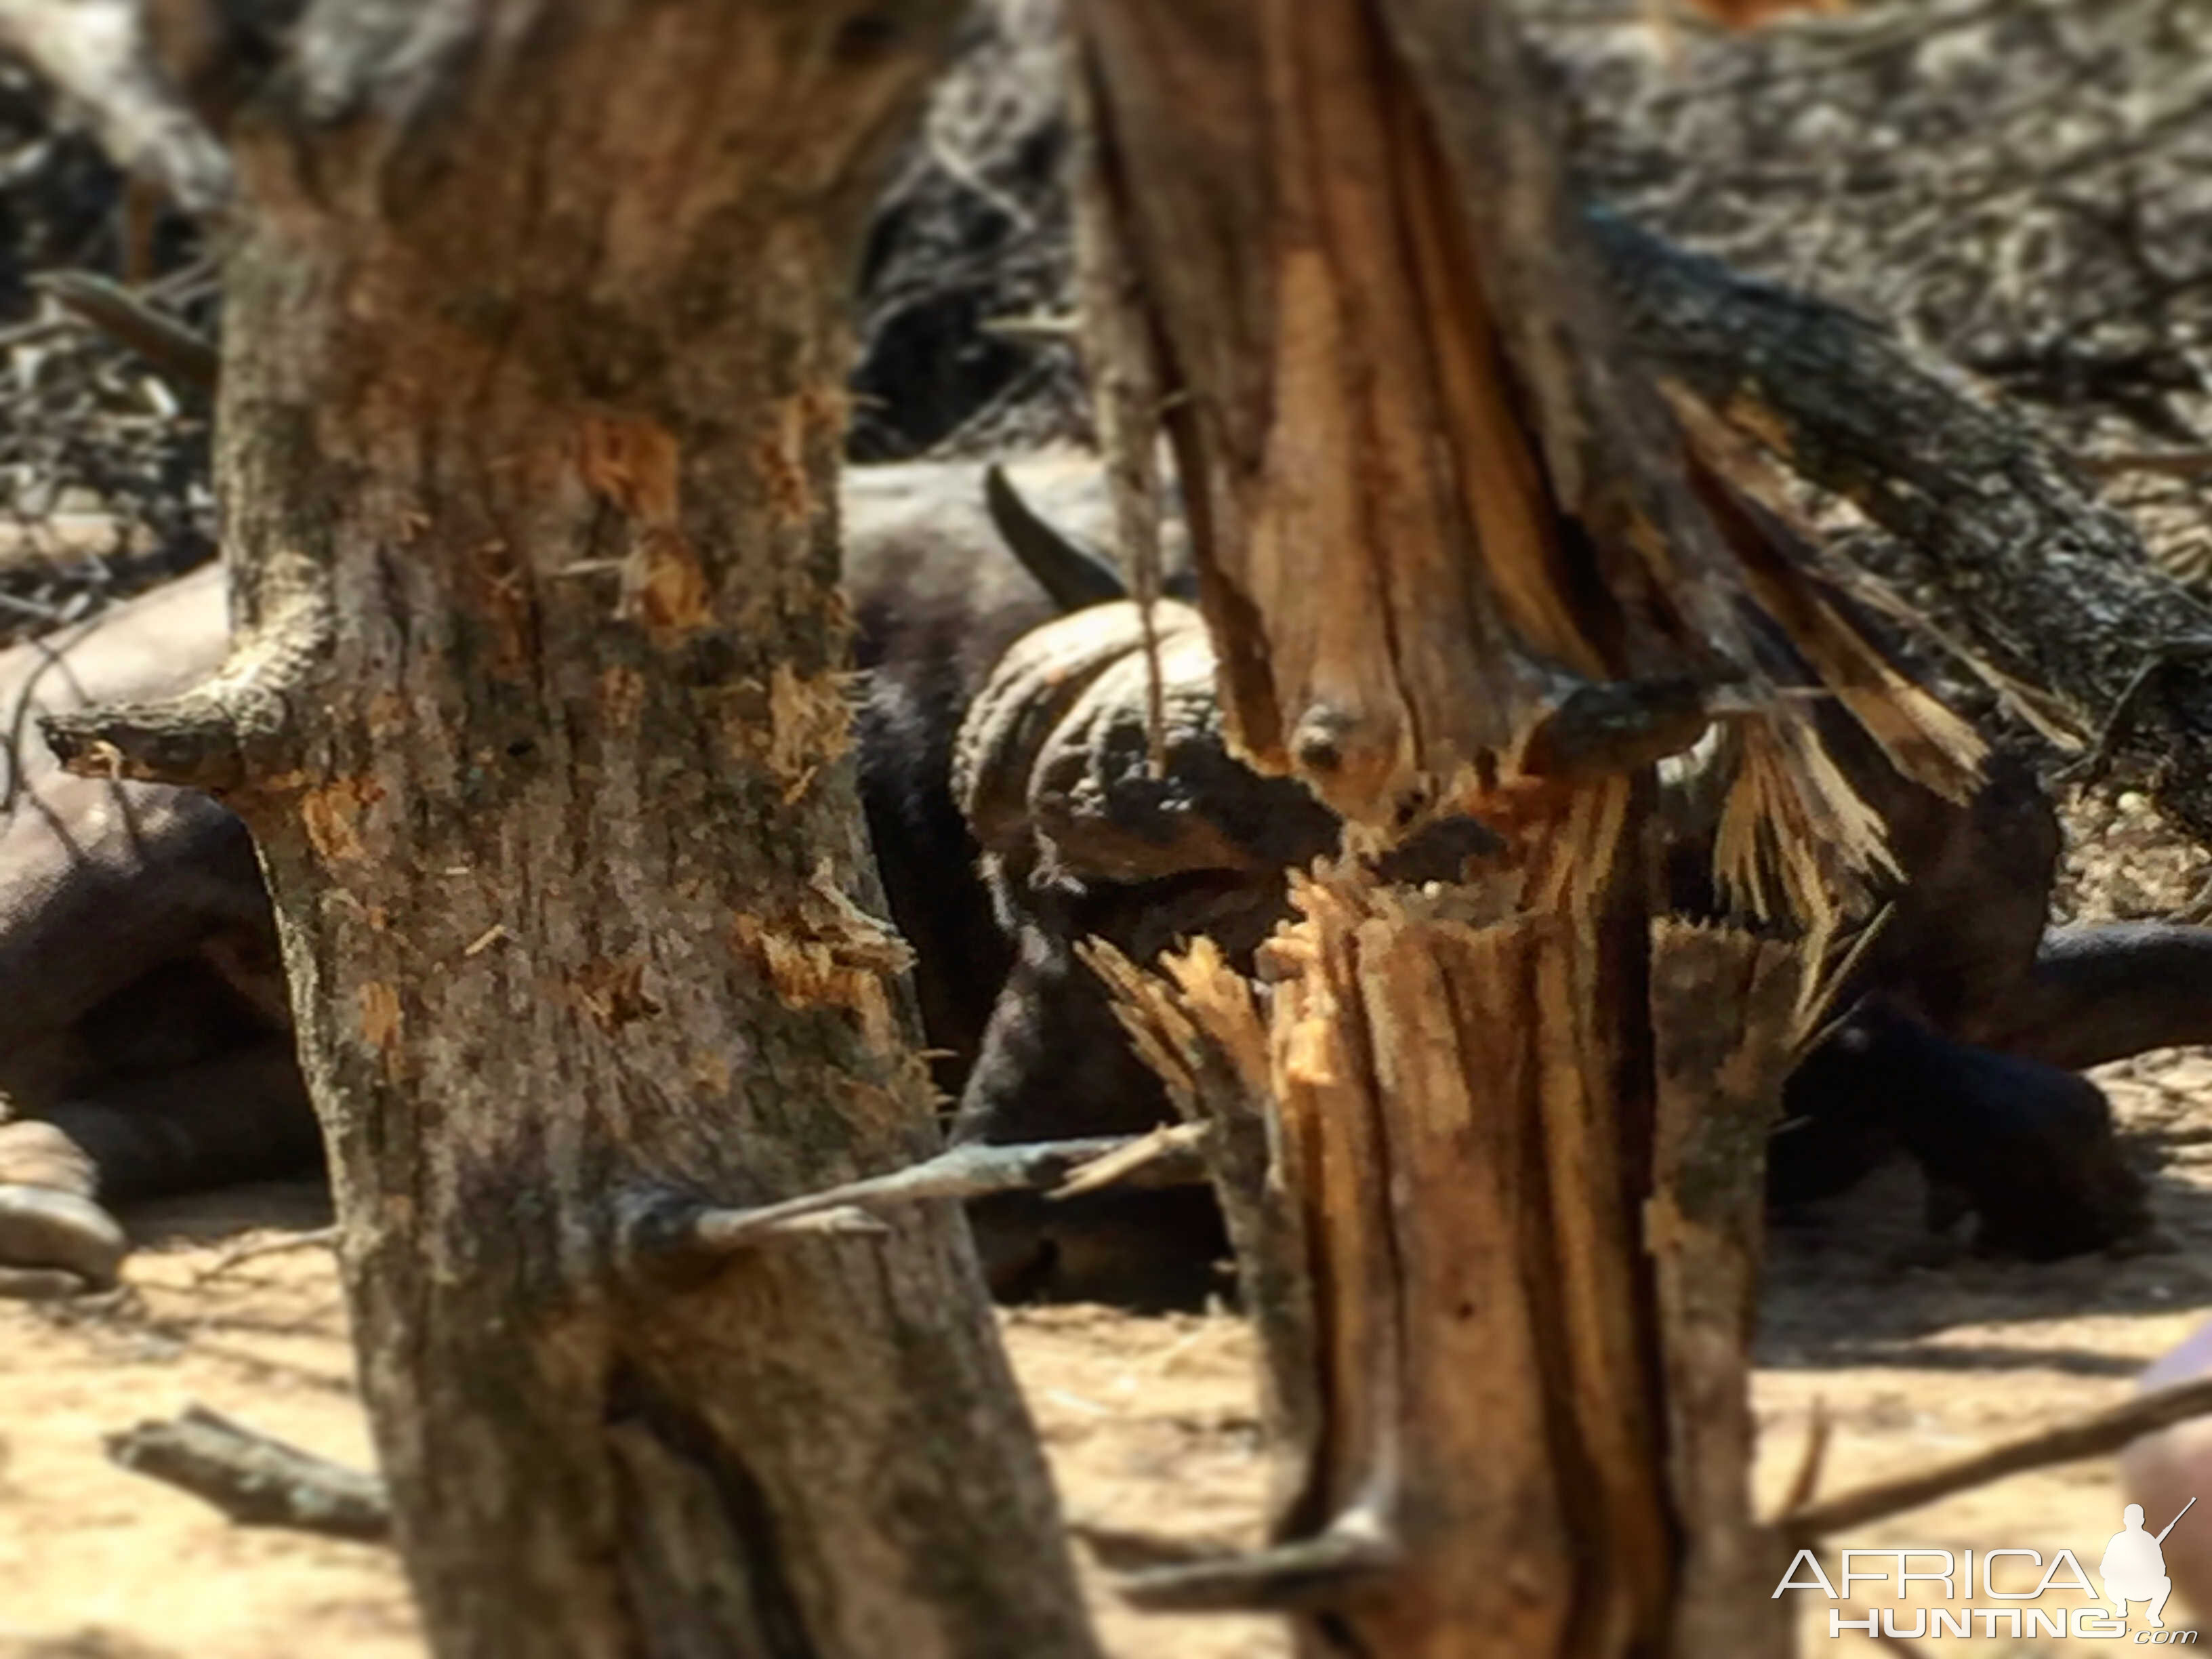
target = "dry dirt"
x: 1915, y: 1351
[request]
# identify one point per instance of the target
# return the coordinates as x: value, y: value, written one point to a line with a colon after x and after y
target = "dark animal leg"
x: 1053, y: 1054
x: 2106, y: 991
x: 244, y: 1116
x: 2030, y: 1145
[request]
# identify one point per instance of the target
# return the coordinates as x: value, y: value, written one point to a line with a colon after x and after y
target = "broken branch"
x: 254, y: 1250
x: 2047, y: 585
x: 2091, y: 1436
x: 181, y: 353
x: 1308, y: 1574
x: 255, y: 1479
x: 1168, y: 1157
x: 193, y: 741
x: 233, y: 730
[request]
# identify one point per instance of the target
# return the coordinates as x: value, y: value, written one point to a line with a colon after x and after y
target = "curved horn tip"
x: 1071, y: 573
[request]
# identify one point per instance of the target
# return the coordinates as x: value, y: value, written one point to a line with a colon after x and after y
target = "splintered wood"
x: 1415, y: 1138
x: 1491, y: 1153
x: 1377, y: 671
x: 1453, y: 557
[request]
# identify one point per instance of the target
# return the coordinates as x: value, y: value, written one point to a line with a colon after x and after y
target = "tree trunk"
x: 531, y: 416
x: 1492, y: 1149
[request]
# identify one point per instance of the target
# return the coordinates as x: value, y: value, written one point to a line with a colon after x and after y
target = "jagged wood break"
x: 1492, y: 1150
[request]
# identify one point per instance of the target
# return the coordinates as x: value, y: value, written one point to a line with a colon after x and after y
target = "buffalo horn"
x: 1072, y: 574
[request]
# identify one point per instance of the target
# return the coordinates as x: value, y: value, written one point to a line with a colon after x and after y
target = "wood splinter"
x: 1166, y: 1157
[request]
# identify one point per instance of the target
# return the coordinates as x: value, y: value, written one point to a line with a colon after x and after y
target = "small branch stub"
x: 227, y: 733
x: 1317, y: 1573
x: 191, y: 742
x: 1168, y: 1157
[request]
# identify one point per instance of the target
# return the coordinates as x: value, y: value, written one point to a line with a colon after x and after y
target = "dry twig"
x: 1807, y: 1480
x: 2089, y: 1436
x: 254, y: 1250
x: 1168, y: 1157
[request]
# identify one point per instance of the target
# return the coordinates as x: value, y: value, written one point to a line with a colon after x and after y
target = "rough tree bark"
x: 1492, y: 1150
x: 530, y: 416
x: 2053, y: 591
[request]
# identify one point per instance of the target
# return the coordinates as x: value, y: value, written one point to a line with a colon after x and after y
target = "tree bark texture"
x: 1726, y: 1011
x: 530, y: 412
x: 1442, y: 1234
x: 1464, y: 1240
x: 2053, y: 591
x: 1321, y: 294
x: 1498, y: 1222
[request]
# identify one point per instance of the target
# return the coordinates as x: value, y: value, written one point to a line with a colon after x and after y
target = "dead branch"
x: 1807, y: 1480
x: 2090, y: 1437
x: 181, y: 353
x: 255, y: 1479
x: 2052, y: 587
x: 230, y: 730
x: 1168, y: 1157
x: 254, y: 1250
x: 1134, y: 1549
x: 1306, y: 1573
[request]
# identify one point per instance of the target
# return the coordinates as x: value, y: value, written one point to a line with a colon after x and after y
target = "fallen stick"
x: 255, y: 1480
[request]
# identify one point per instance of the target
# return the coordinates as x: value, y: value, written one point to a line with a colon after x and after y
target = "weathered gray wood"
x: 255, y: 1479
x: 1167, y: 1157
x: 2052, y: 588
x: 530, y: 416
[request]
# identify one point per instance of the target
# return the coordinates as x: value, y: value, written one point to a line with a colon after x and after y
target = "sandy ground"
x: 99, y: 1564
x: 1914, y: 1350
x: 1913, y: 1353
